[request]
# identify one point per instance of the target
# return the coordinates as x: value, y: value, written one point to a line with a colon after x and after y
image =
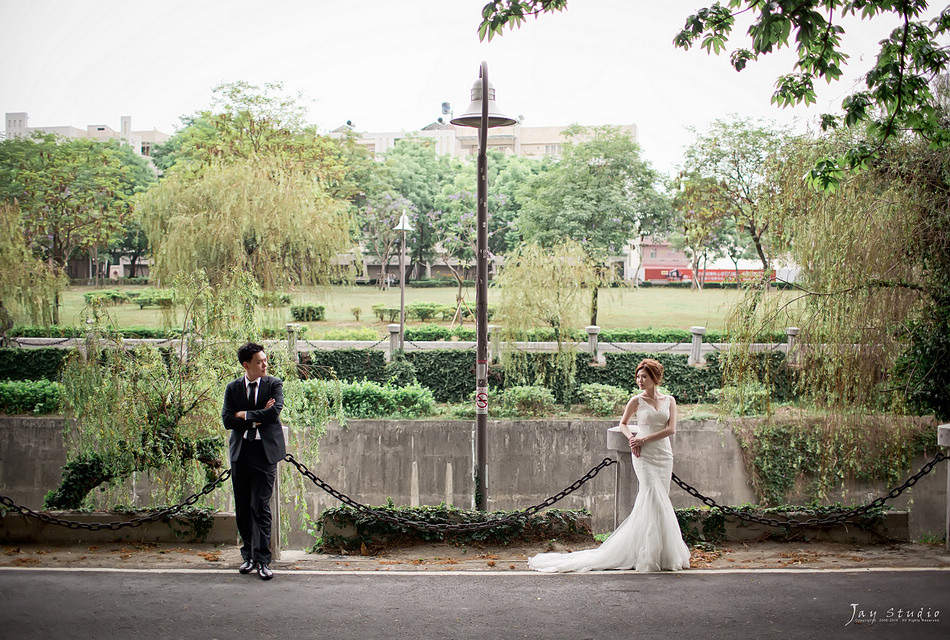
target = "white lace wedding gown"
x: 649, y: 539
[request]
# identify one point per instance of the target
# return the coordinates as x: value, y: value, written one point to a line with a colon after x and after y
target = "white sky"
x: 387, y: 65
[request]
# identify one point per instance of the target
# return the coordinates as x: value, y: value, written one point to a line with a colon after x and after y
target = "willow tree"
x: 250, y: 185
x: 277, y: 225
x: 873, y: 310
x: 543, y: 287
x: 29, y: 286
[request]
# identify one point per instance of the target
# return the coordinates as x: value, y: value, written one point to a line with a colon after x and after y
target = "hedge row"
x: 43, y: 363
x: 30, y: 396
x: 56, y: 331
x: 450, y: 373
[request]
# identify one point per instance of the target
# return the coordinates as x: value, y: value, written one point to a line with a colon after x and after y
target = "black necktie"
x: 251, y: 434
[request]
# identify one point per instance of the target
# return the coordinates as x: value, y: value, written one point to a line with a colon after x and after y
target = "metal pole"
x: 402, y: 293
x: 481, y: 307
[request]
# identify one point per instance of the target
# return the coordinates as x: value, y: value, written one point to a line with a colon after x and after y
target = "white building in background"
x: 461, y: 142
x: 17, y: 126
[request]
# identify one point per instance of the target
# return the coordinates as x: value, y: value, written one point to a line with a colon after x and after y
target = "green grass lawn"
x: 655, y: 307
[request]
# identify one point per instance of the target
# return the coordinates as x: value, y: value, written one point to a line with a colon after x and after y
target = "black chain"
x: 477, y: 526
x: 816, y: 522
x: 152, y: 516
x: 447, y: 527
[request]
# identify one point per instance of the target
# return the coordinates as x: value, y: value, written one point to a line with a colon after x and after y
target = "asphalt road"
x: 204, y: 605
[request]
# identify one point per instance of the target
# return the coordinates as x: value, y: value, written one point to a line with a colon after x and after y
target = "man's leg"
x: 241, y: 479
x: 265, y: 473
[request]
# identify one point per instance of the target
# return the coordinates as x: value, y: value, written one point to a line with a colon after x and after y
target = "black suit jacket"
x: 271, y: 430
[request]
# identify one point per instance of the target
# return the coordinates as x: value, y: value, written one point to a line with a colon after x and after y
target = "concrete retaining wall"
x: 430, y: 461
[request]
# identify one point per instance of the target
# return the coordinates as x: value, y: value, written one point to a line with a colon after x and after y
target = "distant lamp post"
x: 403, y: 226
x: 484, y: 114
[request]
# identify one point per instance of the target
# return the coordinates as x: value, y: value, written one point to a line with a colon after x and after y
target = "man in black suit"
x: 251, y: 411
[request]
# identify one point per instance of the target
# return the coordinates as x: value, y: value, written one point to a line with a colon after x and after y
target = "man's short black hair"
x: 246, y: 351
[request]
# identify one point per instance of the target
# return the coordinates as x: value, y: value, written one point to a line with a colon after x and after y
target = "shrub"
x: 34, y: 396
x: 153, y: 298
x: 400, y: 372
x: 274, y: 299
x: 385, y: 313
x: 362, y: 333
x: 423, y: 311
x: 367, y: 399
x: 428, y: 332
x: 42, y: 363
x: 603, y: 399
x: 439, y: 282
x: 749, y: 399
x: 348, y: 364
x: 526, y: 401
x: 356, y: 311
x: 450, y: 373
x: 105, y: 296
x: 308, y: 312
x: 55, y: 331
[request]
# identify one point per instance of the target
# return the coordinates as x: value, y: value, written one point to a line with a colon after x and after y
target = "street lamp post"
x: 403, y: 226
x: 483, y: 114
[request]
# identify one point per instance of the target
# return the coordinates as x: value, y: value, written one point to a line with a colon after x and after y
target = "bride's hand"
x: 636, y: 452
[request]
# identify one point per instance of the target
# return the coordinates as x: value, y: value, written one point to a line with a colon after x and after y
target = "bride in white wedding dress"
x: 649, y: 539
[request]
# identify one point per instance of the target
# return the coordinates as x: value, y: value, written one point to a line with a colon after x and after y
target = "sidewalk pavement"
x: 442, y: 557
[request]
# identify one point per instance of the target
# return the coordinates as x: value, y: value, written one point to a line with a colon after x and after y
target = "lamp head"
x: 403, y: 223
x: 472, y: 117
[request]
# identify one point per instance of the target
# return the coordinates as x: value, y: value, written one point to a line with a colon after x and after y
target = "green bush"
x: 347, y: 364
x: 439, y: 282
x: 362, y: 333
x: 308, y: 312
x: 428, y: 332
x: 645, y: 335
x: 34, y: 396
x: 367, y: 399
x: 400, y: 372
x: 41, y: 363
x: 525, y: 401
x: 384, y: 313
x: 151, y: 297
x: 49, y: 331
x: 423, y: 311
x: 274, y: 299
x: 603, y: 399
x: 450, y: 373
x: 105, y: 296
x: 55, y: 331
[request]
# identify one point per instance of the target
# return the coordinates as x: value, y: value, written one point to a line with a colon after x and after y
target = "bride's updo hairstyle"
x: 653, y: 368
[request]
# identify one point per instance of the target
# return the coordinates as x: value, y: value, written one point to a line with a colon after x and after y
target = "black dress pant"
x: 252, y: 478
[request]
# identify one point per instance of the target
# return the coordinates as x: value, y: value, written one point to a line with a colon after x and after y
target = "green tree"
x: 600, y: 194
x: 899, y: 87
x: 248, y: 121
x: 253, y: 216
x: 737, y: 155
x: 379, y: 219
x: 413, y: 170
x: 701, y: 209
x: 29, y: 285
x: 248, y: 185
x: 74, y: 195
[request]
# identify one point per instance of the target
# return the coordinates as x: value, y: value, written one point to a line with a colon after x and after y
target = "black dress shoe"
x: 264, y: 572
x: 246, y: 567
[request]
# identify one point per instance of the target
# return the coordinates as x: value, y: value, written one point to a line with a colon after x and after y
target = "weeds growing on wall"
x: 797, y: 455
